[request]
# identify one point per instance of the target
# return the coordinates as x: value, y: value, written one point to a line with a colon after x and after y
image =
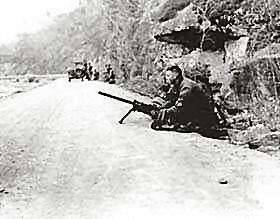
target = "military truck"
x: 79, y: 71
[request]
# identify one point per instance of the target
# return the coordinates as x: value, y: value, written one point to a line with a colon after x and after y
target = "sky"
x: 28, y: 16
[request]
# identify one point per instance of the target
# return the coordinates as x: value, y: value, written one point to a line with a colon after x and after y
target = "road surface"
x: 64, y: 155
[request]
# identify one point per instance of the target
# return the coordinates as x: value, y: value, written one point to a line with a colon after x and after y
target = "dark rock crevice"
x: 192, y: 38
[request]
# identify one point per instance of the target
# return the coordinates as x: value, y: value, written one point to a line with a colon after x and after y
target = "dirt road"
x: 64, y: 155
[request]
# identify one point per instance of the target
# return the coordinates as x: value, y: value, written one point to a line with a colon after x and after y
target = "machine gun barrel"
x: 136, y: 105
x: 116, y: 98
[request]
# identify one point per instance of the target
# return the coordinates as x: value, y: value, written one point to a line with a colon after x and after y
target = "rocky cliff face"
x: 191, y: 31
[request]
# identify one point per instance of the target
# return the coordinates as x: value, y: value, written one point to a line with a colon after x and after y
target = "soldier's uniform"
x: 187, y: 105
x: 90, y: 70
x: 95, y: 75
x: 112, y: 77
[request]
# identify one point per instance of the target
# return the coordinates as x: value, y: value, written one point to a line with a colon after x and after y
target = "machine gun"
x: 136, y: 105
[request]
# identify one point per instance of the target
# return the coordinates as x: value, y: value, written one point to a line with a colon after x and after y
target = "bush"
x: 256, y: 79
x: 255, y: 85
x: 144, y: 87
x: 267, y: 112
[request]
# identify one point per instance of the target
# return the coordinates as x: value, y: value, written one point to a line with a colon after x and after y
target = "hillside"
x: 121, y: 32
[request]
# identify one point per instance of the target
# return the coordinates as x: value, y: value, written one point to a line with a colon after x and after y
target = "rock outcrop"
x: 186, y: 25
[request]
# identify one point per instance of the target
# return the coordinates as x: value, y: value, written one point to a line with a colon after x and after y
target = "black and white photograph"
x: 145, y: 109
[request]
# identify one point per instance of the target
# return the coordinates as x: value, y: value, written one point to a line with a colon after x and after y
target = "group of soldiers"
x: 108, y: 76
x: 85, y: 70
x: 89, y: 74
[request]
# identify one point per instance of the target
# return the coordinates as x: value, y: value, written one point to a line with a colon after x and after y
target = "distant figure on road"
x: 112, y: 77
x: 95, y: 75
x: 85, y: 71
x: 106, y: 74
x: 109, y: 75
x: 125, y: 73
x: 85, y: 66
x: 184, y: 105
x: 90, y: 70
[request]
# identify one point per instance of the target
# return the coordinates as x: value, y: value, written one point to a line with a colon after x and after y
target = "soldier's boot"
x: 160, y: 126
x: 186, y: 128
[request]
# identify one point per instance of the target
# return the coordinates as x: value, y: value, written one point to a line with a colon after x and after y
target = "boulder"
x: 185, y: 23
x: 236, y: 50
x: 182, y: 24
x: 181, y: 20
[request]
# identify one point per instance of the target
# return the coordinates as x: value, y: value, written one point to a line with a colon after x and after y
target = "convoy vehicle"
x: 77, y: 72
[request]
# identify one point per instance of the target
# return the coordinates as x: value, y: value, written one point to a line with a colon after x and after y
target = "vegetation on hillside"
x: 121, y: 32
